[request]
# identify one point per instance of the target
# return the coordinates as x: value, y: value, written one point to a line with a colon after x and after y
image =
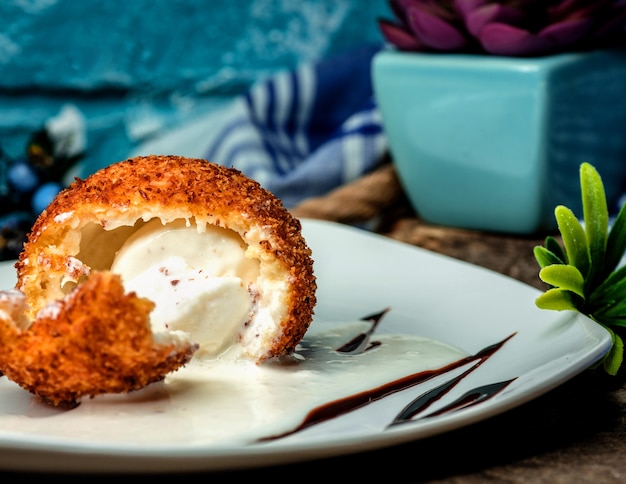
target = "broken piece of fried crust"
x: 96, y: 340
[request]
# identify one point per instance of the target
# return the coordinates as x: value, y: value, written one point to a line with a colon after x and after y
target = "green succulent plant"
x: 583, y: 272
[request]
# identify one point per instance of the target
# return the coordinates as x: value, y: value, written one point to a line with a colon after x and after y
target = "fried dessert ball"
x: 186, y: 248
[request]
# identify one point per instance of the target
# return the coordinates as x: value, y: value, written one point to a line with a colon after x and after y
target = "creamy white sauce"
x: 217, y: 402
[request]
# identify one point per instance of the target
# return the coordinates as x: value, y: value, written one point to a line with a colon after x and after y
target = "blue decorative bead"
x: 22, y: 176
x: 44, y: 195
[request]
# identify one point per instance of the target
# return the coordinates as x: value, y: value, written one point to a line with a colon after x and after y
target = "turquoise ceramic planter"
x: 495, y: 143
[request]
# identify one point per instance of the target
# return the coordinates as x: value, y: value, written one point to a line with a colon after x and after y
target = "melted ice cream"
x: 200, y: 281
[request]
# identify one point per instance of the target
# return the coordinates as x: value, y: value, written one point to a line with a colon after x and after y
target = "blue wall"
x: 136, y: 68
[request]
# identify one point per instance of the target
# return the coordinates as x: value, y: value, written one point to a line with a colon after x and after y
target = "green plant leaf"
x: 583, y: 271
x: 615, y: 357
x: 596, y: 216
x: 574, y: 239
x: 545, y: 257
x: 556, y: 248
x: 613, y: 288
x: 611, y: 314
x: 564, y: 276
x: 616, y: 242
x: 617, y: 321
x: 556, y: 299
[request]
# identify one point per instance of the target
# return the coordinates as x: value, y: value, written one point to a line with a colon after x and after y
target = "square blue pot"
x: 495, y: 143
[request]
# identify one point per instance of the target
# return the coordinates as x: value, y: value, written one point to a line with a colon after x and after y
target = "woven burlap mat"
x: 379, y: 200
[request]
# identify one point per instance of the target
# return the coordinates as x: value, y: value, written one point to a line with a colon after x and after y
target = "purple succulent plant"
x: 516, y: 28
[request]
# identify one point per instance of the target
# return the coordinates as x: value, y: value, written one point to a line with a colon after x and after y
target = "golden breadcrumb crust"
x: 97, y: 341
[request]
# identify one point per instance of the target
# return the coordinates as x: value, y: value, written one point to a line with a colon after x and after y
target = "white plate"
x: 358, y: 273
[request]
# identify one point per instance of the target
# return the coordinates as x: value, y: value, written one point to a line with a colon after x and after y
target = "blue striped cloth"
x: 304, y: 132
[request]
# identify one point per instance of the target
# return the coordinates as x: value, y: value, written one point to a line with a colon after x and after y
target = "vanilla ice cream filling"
x: 199, y: 278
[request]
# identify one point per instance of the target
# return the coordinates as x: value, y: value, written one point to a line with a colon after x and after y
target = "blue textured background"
x: 136, y: 68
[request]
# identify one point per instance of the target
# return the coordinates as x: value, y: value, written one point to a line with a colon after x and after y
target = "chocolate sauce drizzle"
x: 361, y: 342
x: 468, y: 399
x: 408, y: 414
